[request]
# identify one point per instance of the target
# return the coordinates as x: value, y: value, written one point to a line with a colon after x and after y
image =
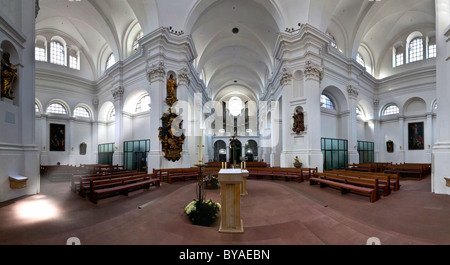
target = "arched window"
x: 416, y: 50
x: 435, y: 106
x: 111, y: 61
x: 360, y: 59
x: 136, y: 40
x: 40, y: 53
x: 391, y: 110
x: 398, y: 56
x: 74, y: 61
x: 112, y: 114
x: 143, y: 104
x: 36, y: 108
x: 81, y: 112
x: 326, y: 102
x: 432, y: 47
x: 56, y: 108
x: 359, y: 112
x: 57, y: 53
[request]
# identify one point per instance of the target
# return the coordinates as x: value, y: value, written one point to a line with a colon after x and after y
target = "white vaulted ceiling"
x: 225, y: 57
x: 235, y: 61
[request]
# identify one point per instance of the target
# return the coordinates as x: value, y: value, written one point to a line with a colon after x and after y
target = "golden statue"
x: 171, y: 91
x: 9, y: 76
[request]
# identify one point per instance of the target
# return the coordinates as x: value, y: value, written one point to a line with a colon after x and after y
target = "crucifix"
x: 233, y: 148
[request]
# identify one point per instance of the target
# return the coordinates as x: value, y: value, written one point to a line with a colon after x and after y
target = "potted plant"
x: 211, y: 182
x: 202, y: 212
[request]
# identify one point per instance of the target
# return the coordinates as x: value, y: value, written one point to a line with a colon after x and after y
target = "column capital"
x: 352, y: 92
x: 313, y: 70
x: 286, y: 77
x: 183, y: 77
x: 376, y: 102
x: 118, y: 93
x: 156, y: 72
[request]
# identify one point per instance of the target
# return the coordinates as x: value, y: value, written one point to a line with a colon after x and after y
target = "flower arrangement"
x: 211, y: 182
x: 202, y: 212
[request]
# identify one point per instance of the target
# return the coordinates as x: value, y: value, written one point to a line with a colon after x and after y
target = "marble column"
x: 286, y: 125
x: 156, y: 76
x: 183, y: 101
x: 352, y: 130
x: 313, y: 75
x: 441, y: 149
x: 118, y: 122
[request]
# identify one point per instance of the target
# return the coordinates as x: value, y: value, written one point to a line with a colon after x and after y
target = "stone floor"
x: 274, y: 213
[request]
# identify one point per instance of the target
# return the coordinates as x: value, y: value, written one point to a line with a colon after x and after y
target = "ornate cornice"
x: 156, y: 72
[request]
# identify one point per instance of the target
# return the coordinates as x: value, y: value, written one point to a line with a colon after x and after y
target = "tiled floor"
x: 274, y: 213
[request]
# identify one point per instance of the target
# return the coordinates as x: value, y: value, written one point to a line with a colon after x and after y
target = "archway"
x: 220, y: 151
x: 251, y: 150
x: 236, y: 152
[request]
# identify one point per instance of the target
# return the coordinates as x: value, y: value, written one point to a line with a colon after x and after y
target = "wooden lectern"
x: 230, y: 191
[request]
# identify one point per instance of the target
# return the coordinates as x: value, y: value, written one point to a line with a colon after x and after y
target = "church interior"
x: 115, y: 114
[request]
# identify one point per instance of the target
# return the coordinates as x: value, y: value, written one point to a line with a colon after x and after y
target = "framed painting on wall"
x: 415, y: 136
x: 57, y: 137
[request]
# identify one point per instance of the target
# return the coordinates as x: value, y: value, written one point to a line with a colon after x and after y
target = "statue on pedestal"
x: 297, y: 163
x: 171, y: 91
x: 9, y: 76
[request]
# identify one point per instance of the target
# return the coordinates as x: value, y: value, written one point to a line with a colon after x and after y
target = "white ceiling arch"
x: 225, y: 56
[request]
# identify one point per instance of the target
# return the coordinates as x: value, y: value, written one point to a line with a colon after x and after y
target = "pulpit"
x: 231, y: 181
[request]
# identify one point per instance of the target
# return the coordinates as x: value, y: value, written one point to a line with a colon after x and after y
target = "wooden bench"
x: 172, y: 174
x: 346, y: 185
x: 408, y: 171
x: 84, y: 183
x: 394, y: 180
x: 104, y: 188
x: 384, y: 182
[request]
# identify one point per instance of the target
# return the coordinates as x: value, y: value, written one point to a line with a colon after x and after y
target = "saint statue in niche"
x: 299, y: 124
x: 9, y: 76
x: 171, y: 91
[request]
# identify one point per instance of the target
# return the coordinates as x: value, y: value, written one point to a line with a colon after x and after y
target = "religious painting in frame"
x: 415, y: 136
x: 57, y: 137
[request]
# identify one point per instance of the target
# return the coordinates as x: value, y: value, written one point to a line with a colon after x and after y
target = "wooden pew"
x: 347, y: 185
x: 103, y: 188
x: 394, y: 180
x: 384, y: 181
x: 408, y: 171
x: 84, y: 183
x: 272, y: 173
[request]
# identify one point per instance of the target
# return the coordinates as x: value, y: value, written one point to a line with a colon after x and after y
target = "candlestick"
x: 200, y: 145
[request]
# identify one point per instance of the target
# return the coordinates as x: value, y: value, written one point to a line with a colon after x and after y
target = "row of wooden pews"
x: 60, y: 172
x: 298, y: 174
x: 97, y: 186
x: 171, y: 175
x: 369, y: 167
x: 368, y: 183
x: 182, y: 174
x: 414, y: 171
